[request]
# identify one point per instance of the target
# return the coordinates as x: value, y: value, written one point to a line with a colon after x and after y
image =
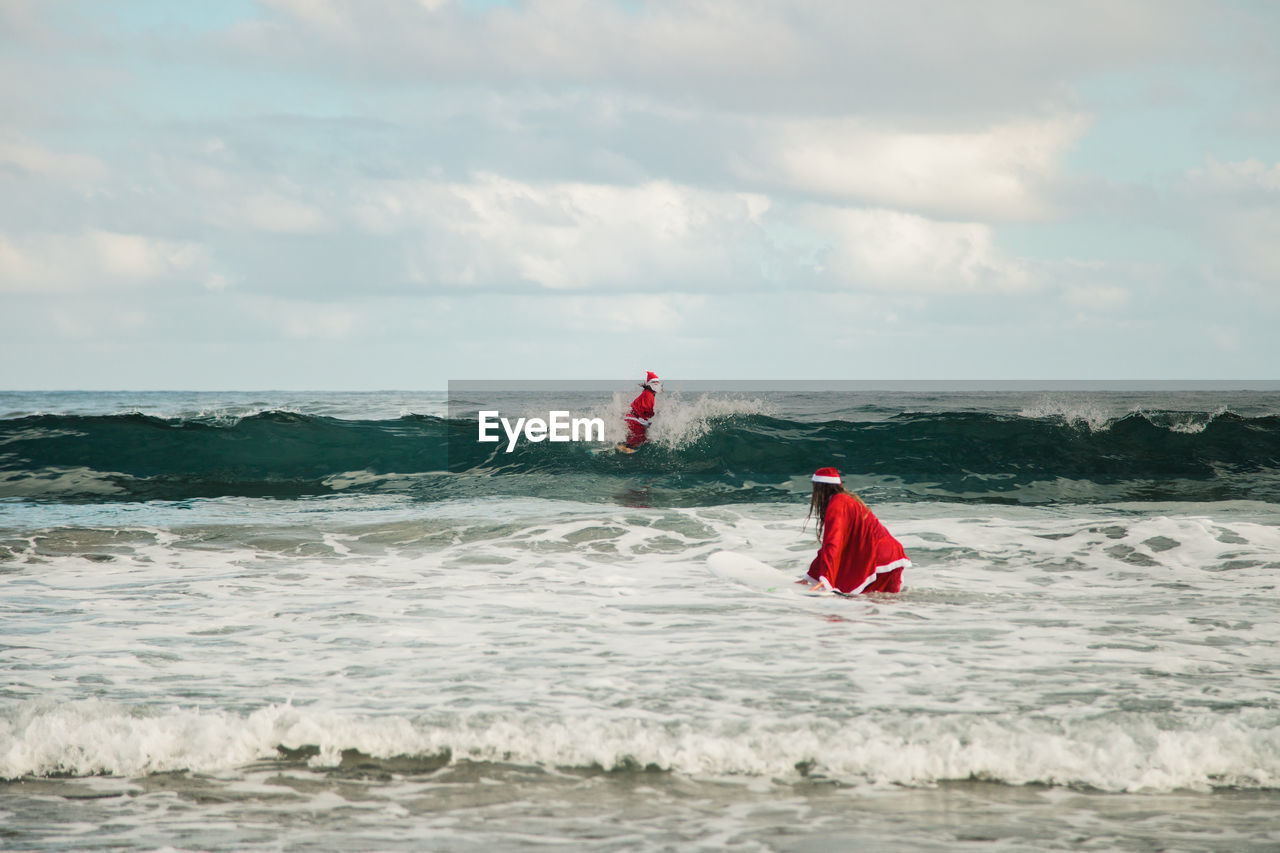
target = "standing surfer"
x: 641, y: 414
x: 858, y: 554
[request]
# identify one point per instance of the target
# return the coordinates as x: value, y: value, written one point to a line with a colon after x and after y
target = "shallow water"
x: 482, y: 806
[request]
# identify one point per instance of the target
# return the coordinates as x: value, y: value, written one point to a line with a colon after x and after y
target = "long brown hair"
x: 822, y: 495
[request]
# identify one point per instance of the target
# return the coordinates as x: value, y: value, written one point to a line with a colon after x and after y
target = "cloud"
x: 236, y: 197
x: 888, y: 250
x: 272, y: 212
x: 95, y: 260
x: 990, y: 174
x: 563, y: 41
x: 1237, y: 206
x: 1248, y: 179
x: 813, y: 57
x: 630, y: 313
x: 495, y: 231
x: 25, y: 157
x: 522, y: 179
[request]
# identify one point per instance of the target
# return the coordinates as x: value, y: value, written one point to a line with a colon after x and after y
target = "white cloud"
x: 630, y: 313
x: 813, y: 57
x: 24, y: 156
x: 561, y: 39
x: 245, y: 201
x: 496, y: 231
x: 1243, y: 177
x: 528, y: 178
x: 95, y: 260
x: 219, y: 186
x: 133, y: 257
x: 888, y: 250
x: 274, y: 213
x: 995, y: 173
x: 1237, y: 205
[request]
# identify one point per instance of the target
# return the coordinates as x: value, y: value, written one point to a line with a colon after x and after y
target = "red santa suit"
x: 641, y: 414
x: 858, y: 554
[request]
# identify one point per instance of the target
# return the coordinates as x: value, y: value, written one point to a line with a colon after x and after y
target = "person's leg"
x: 635, y: 434
x: 887, y: 582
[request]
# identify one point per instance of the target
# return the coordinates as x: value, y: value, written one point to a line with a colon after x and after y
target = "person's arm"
x: 835, y: 532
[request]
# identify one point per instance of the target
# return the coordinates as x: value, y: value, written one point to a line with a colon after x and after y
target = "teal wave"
x: 985, y: 458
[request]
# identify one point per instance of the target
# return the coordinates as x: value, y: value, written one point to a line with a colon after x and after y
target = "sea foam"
x: 1111, y: 752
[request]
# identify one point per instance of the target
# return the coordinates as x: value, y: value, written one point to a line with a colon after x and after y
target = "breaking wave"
x: 1117, y: 751
x: 708, y: 451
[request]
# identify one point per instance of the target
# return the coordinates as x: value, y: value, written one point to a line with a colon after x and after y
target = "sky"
x: 368, y: 194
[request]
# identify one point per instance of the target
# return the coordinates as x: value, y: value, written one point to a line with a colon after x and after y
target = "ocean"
x: 334, y: 621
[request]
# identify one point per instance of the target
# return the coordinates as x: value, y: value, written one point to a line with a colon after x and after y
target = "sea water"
x: 328, y: 621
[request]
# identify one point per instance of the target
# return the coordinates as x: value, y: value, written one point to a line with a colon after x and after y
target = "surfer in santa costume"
x: 858, y: 554
x: 641, y: 414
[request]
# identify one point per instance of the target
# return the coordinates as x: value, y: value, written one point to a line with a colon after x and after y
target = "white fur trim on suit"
x: 903, y: 563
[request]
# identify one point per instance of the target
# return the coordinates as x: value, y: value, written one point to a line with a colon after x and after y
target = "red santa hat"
x: 826, y: 475
x: 650, y: 376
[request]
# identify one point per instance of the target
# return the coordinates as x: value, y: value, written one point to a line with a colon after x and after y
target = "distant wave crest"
x: 705, y: 451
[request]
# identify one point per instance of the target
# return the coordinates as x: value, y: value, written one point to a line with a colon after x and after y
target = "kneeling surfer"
x: 858, y: 554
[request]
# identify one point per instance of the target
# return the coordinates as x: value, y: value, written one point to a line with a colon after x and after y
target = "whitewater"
x: 323, y: 621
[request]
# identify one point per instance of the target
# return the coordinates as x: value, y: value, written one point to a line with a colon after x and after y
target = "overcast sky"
x: 362, y: 194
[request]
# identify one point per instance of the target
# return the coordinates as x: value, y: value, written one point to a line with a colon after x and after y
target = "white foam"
x: 1098, y: 418
x: 1193, y: 424
x: 1075, y: 412
x: 563, y: 633
x: 678, y: 422
x: 1112, y: 752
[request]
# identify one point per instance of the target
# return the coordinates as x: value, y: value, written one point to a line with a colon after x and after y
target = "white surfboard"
x: 749, y: 572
